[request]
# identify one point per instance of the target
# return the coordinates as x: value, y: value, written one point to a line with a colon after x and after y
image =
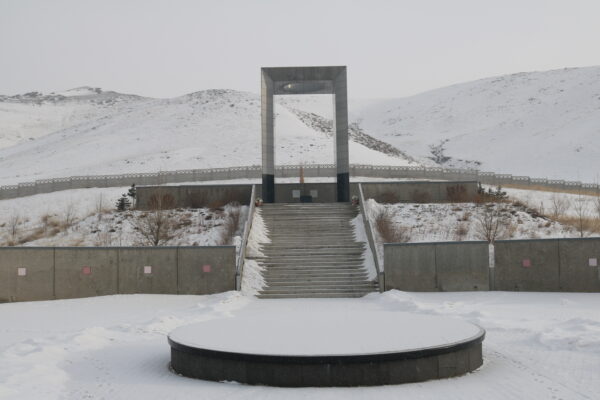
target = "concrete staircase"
x: 313, y: 252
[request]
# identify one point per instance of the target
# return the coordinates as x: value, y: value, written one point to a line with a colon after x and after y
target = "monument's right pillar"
x: 342, y: 159
x: 268, y: 139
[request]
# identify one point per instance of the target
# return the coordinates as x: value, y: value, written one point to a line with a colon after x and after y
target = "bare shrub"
x: 36, y: 234
x: 559, y: 204
x: 68, y: 216
x: 457, y: 194
x: 461, y: 231
x: 388, y: 230
x: 465, y: 216
x: 419, y: 196
x: 198, y: 200
x: 388, y: 198
x: 231, y: 224
x: 597, y: 206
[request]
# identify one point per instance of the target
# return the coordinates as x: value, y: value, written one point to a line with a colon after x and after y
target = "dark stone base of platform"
x: 329, y: 371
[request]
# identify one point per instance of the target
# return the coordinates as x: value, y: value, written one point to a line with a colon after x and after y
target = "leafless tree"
x: 13, y: 225
x: 582, y: 214
x: 155, y: 226
x: 559, y: 204
x: 99, y: 207
x: 489, y: 223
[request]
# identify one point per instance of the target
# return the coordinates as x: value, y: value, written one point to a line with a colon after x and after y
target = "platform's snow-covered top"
x: 325, y: 334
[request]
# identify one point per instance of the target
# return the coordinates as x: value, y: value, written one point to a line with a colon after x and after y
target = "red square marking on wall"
x: 86, y: 270
x: 21, y: 271
x: 206, y: 268
x: 526, y: 263
x: 593, y: 262
x: 147, y: 269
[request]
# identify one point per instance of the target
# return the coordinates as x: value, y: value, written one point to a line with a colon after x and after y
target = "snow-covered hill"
x: 213, y: 128
x: 31, y: 115
x: 542, y: 124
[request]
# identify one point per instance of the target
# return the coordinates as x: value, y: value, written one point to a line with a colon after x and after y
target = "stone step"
x: 323, y: 295
x: 267, y: 264
x: 297, y: 290
x: 317, y: 275
x: 317, y: 282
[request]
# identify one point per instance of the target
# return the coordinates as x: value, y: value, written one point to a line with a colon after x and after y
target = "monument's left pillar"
x: 268, y: 139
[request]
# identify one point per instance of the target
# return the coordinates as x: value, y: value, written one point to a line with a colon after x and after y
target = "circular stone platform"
x: 378, y: 348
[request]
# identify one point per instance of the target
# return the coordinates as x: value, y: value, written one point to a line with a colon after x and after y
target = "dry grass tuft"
x: 388, y: 230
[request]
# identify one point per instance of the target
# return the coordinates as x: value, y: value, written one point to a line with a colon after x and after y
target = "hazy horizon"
x: 392, y: 49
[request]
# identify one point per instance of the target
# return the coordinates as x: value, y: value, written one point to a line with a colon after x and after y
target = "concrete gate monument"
x: 305, y: 80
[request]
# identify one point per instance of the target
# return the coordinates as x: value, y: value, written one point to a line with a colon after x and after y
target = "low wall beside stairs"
x: 540, y: 265
x: 46, y: 273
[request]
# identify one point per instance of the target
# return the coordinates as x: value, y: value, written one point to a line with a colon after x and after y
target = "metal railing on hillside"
x: 311, y: 170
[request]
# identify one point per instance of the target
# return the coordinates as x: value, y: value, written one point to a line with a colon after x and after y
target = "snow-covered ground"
x: 567, y: 204
x: 538, y: 345
x: 440, y: 222
x: 88, y: 217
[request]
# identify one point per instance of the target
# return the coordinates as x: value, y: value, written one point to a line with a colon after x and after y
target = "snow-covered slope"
x: 542, y: 124
x: 31, y: 115
x: 213, y: 128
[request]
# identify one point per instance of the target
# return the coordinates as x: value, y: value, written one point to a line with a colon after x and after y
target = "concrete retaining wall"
x: 29, y: 273
x: 195, y: 196
x: 545, y: 265
x: 420, y: 192
x: 322, y: 192
x: 444, y: 266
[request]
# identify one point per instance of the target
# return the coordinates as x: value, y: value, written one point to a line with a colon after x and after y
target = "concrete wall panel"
x: 36, y: 281
x: 148, y: 270
x: 410, y: 267
x: 74, y: 279
x: 579, y: 260
x: 206, y: 270
x: 462, y: 266
x: 527, y: 265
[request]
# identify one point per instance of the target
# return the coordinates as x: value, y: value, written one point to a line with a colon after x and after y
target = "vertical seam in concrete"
x: 54, y: 272
x: 435, y: 249
x: 177, y: 270
x: 559, y: 264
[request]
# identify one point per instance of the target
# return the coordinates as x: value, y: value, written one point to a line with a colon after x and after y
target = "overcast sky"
x: 392, y: 48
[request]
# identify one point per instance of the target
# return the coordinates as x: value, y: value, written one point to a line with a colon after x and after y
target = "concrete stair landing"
x: 313, y: 252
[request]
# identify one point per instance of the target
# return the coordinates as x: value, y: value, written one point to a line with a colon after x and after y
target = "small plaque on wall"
x: 593, y: 262
x: 86, y: 270
x: 21, y: 271
x: 295, y: 194
x: 147, y: 269
x: 526, y: 263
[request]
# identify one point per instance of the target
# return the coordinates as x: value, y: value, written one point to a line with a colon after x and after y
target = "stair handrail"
x: 242, y: 253
x: 370, y: 239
